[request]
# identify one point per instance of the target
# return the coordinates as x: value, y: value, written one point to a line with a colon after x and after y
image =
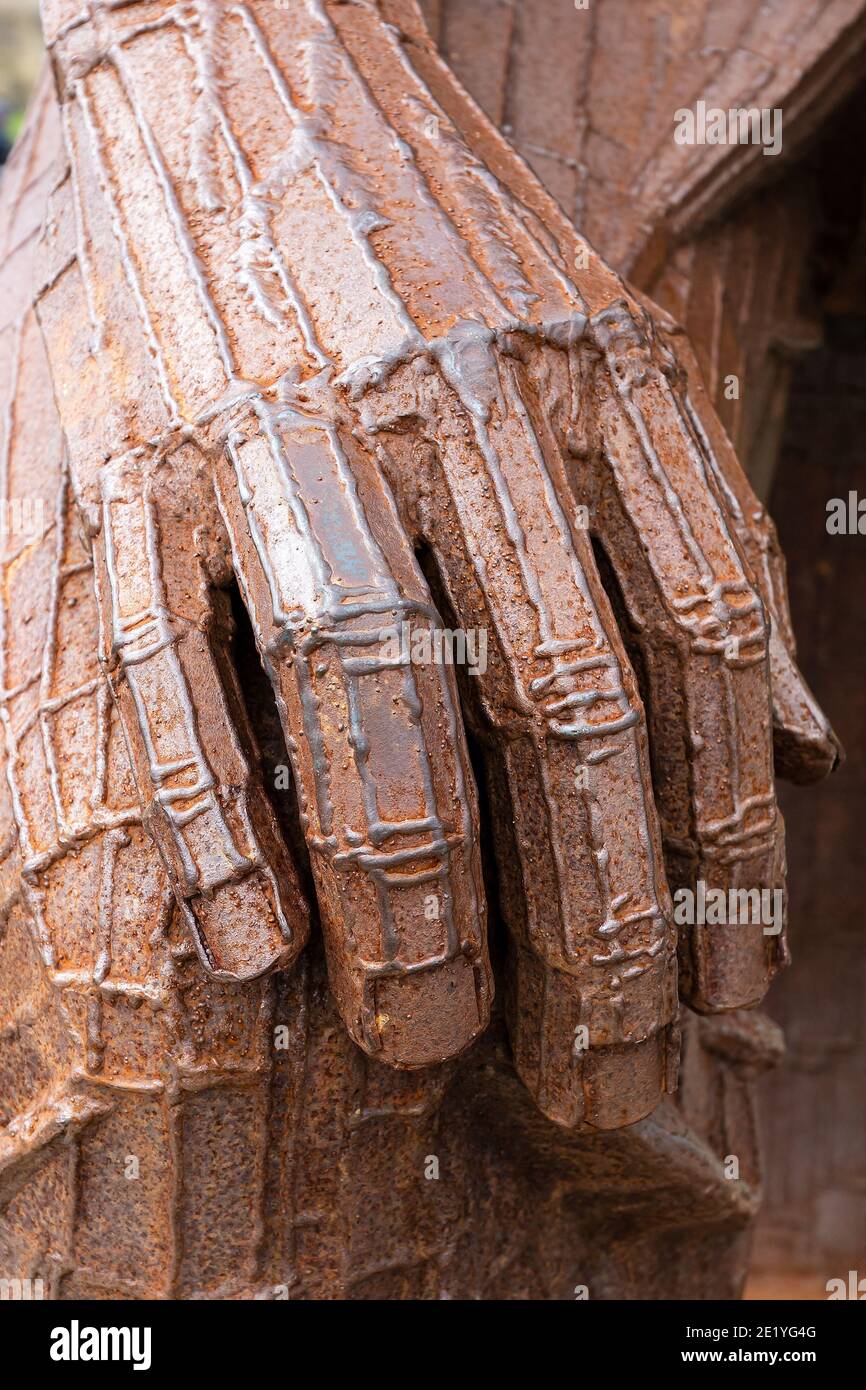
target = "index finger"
x: 387, y: 797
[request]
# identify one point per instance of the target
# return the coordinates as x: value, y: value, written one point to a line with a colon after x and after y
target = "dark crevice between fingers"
x: 672, y: 870
x: 656, y: 659
x: 679, y: 866
x: 611, y: 585
x: 483, y: 762
x: 261, y: 716
x: 669, y: 770
x: 660, y: 775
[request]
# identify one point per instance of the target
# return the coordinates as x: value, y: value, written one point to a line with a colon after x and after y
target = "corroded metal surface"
x: 298, y: 316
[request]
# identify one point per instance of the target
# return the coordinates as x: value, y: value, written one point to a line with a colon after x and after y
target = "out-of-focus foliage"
x: 20, y: 56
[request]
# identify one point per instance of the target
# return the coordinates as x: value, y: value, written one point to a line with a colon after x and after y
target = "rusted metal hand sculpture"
x: 311, y: 324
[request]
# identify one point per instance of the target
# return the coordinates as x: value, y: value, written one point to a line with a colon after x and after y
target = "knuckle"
x: 726, y: 619
x: 624, y: 343
x: 577, y: 691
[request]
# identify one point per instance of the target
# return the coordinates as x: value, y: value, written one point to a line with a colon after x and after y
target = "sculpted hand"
x: 312, y: 324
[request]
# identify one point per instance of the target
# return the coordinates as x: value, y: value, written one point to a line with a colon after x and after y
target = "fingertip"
x: 805, y: 756
x: 622, y: 1085
x: 607, y: 1087
x: 591, y: 1066
x: 805, y: 747
x: 726, y: 967
x: 423, y: 1018
x: 247, y: 928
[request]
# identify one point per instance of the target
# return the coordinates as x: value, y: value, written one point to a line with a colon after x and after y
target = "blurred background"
x: 20, y: 56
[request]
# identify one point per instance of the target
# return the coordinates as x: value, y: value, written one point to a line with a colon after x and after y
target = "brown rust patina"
x: 298, y: 320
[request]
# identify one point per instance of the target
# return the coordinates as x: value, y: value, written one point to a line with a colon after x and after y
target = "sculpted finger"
x: 192, y: 752
x: 387, y: 797
x: 592, y: 990
x: 805, y: 747
x: 194, y: 763
x: 699, y: 630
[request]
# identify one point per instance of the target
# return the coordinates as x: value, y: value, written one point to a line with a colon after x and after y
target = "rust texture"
x: 281, y: 309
